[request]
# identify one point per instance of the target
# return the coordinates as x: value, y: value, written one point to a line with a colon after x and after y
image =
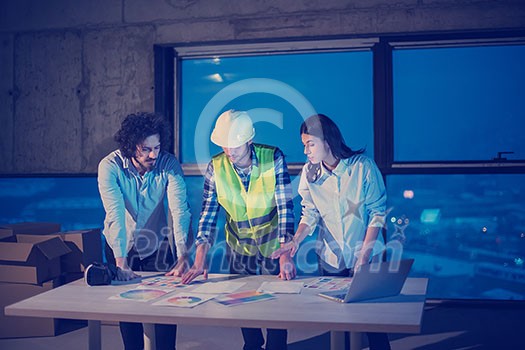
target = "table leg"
x: 94, y: 337
x: 337, y: 340
x: 149, y: 336
x: 355, y: 340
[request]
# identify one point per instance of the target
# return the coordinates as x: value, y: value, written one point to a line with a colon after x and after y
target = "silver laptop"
x: 372, y: 281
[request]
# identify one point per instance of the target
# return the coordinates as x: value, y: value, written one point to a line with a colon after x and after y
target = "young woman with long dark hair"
x: 343, y: 194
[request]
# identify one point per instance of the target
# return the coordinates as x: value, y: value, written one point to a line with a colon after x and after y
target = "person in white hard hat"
x: 251, y: 183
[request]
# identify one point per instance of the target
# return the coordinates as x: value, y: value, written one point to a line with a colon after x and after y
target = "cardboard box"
x: 31, y: 259
x: 8, y: 232
x: 85, y: 246
x: 15, y: 326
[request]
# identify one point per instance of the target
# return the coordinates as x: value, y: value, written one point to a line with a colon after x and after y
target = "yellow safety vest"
x: 251, y: 217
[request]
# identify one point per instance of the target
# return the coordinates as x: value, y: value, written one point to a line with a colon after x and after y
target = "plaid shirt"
x: 283, y: 199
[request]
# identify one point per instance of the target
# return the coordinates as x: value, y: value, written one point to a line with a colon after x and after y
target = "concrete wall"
x: 70, y: 70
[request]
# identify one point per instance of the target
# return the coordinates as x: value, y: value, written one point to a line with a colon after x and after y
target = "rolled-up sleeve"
x: 375, y: 198
x: 113, y: 202
x: 179, y: 208
x: 283, y: 196
x: 209, y: 210
x: 309, y: 213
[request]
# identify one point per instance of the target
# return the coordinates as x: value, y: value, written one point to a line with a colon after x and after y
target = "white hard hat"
x: 233, y: 129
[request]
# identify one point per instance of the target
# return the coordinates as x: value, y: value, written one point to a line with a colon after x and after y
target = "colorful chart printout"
x: 140, y: 295
x: 162, y: 282
x: 185, y: 300
x: 329, y: 283
x: 245, y: 297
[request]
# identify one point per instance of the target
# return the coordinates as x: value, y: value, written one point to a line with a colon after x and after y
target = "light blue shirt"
x: 344, y: 202
x: 135, y: 208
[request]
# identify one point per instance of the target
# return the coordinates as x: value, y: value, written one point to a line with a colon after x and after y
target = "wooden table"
x: 76, y: 300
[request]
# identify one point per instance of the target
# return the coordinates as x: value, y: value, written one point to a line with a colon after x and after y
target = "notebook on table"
x: 372, y: 281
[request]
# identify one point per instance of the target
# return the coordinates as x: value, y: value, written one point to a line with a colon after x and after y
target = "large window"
x: 279, y: 91
x: 459, y: 103
x: 456, y: 164
x: 279, y: 83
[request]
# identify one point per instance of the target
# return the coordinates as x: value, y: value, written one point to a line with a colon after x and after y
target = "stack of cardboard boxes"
x: 35, y: 257
x: 86, y: 248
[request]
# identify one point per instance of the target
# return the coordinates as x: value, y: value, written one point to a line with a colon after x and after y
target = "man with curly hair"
x: 133, y: 183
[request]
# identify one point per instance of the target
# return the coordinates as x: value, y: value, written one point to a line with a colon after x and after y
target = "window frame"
x: 386, y: 119
x: 168, y: 58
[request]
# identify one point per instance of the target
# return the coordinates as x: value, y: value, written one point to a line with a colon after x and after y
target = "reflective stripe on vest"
x: 251, y: 217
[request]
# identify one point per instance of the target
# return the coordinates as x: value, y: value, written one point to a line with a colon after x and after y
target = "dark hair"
x: 137, y: 127
x: 321, y: 126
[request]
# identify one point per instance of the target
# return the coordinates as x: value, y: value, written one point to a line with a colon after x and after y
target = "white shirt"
x: 344, y: 203
x: 134, y: 204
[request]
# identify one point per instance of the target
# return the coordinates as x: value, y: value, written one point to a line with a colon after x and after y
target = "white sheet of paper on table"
x: 218, y: 287
x: 283, y: 287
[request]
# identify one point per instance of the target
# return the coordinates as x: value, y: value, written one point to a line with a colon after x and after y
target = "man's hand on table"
x: 124, y: 273
x: 193, y: 272
x: 287, y: 267
x: 180, y: 268
x: 199, y: 266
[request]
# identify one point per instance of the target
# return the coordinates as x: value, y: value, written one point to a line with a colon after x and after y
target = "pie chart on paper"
x: 184, y: 301
x: 142, y: 294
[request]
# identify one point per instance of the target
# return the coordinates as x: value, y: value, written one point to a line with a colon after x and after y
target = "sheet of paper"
x: 162, y: 282
x: 329, y: 283
x: 219, y: 287
x: 241, y: 298
x: 184, y: 300
x: 140, y: 294
x: 284, y: 287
